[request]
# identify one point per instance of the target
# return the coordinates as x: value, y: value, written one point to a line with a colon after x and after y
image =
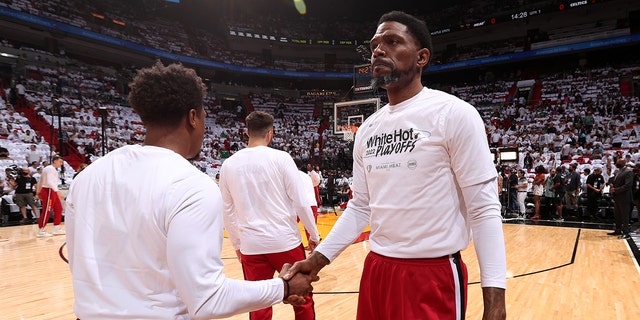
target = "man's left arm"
x: 476, y: 176
x: 483, y: 209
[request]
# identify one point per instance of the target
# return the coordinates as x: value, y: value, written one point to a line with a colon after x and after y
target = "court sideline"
x: 555, y: 272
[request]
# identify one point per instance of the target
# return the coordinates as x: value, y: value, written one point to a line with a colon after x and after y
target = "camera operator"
x: 25, y: 190
x: 8, y: 181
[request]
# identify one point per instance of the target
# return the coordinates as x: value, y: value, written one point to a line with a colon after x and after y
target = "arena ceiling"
x: 356, y: 9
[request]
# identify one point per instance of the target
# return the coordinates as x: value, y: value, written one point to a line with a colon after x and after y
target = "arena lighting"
x: 8, y: 55
x: 300, y: 6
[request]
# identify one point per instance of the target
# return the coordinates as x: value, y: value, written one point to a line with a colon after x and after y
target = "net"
x: 347, y: 136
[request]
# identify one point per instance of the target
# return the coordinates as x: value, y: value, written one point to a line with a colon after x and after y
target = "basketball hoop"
x: 347, y: 135
x: 349, y: 115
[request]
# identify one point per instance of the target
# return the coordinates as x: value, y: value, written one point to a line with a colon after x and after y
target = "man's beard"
x: 379, y: 82
x: 394, y: 76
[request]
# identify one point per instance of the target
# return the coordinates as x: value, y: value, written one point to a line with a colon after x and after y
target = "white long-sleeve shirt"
x: 423, y: 178
x: 263, y: 195
x: 144, y: 235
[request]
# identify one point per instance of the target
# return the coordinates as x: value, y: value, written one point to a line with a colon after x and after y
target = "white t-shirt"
x: 20, y: 88
x: 144, y: 235
x: 50, y: 178
x: 315, y: 178
x: 263, y: 195
x: 423, y: 177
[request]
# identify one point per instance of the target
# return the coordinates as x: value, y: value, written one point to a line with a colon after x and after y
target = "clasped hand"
x: 297, y: 285
x: 308, y: 268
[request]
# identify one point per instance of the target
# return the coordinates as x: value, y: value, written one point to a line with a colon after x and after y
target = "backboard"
x: 349, y: 115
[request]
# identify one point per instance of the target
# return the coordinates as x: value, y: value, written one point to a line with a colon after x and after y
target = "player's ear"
x: 423, y: 57
x: 192, y: 117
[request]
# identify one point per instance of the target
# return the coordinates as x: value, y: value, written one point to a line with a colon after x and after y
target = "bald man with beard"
x: 623, y: 198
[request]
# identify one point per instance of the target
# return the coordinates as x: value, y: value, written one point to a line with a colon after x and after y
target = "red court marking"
x: 363, y: 237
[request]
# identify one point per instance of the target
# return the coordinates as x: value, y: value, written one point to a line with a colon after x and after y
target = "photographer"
x: 24, y: 186
x: 8, y: 181
x: 4, y: 153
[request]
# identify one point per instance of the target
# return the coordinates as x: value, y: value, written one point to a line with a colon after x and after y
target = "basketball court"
x: 556, y: 271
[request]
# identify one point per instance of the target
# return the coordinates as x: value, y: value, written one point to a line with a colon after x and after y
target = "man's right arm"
x: 348, y: 227
x: 311, y: 265
x: 230, y: 220
x: 38, y: 186
x: 196, y: 265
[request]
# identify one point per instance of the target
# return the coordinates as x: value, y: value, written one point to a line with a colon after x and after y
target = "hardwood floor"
x: 555, y: 273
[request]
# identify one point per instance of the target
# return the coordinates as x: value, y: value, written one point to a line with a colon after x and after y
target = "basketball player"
x: 263, y: 195
x: 423, y: 178
x: 47, y: 191
x: 145, y: 225
x: 316, y: 179
x: 310, y: 192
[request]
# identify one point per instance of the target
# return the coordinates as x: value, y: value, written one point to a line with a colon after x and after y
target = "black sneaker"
x: 624, y: 236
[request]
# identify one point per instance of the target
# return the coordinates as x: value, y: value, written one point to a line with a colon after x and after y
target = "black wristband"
x: 286, y: 289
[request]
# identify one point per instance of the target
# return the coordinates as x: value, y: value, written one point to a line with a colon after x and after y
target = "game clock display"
x: 362, y: 78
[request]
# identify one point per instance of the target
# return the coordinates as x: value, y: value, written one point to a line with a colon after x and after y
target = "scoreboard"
x: 362, y: 79
x: 559, y: 6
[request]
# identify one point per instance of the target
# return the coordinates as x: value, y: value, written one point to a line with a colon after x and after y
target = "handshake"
x: 298, y: 278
